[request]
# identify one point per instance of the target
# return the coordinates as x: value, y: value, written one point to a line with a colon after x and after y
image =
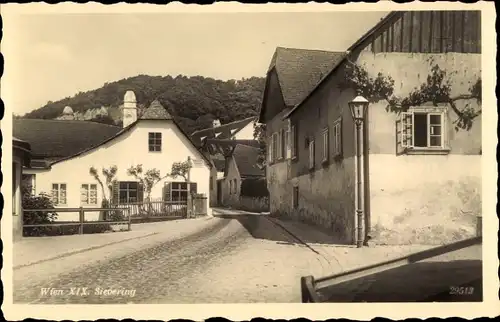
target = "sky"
x: 53, y: 56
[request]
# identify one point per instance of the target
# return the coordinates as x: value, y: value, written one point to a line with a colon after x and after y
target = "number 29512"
x: 461, y: 290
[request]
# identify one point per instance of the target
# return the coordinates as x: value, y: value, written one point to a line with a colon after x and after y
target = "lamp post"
x: 358, y: 107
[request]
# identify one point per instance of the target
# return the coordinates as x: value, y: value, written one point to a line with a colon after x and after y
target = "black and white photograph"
x: 328, y: 155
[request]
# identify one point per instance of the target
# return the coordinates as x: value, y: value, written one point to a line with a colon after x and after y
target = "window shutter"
x: 194, y: 187
x: 140, y: 192
x: 407, y: 129
x: 292, y: 141
x: 115, y: 198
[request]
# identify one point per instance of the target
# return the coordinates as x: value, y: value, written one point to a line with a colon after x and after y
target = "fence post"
x: 129, y: 219
x: 82, y: 218
x: 189, y: 205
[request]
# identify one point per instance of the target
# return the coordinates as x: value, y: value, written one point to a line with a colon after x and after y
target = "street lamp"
x: 358, y: 107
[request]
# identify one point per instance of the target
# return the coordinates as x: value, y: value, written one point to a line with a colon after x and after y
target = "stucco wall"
x: 129, y: 149
x: 326, y: 199
x: 423, y: 198
x: 230, y: 198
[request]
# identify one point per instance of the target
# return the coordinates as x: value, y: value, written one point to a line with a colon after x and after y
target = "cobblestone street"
x: 236, y: 258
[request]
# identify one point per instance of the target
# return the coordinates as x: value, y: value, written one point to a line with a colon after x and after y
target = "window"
x: 130, y: 191
x: 235, y: 186
x: 59, y: 194
x: 422, y: 128
x: 295, y: 197
x: 28, y: 184
x: 287, y: 143
x: 337, y: 138
x: 311, y: 154
x: 279, y: 145
x: 275, y: 147
x: 293, y: 141
x: 178, y: 191
x: 154, y: 142
x: 282, y: 144
x: 88, y: 194
x: 325, y: 145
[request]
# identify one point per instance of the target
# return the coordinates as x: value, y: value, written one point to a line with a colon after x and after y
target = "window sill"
x: 427, y: 151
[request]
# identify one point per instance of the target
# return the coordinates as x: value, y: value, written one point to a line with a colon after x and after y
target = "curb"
x: 82, y: 250
x: 275, y: 222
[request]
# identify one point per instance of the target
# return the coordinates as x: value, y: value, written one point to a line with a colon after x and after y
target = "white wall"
x: 131, y: 148
x: 16, y: 198
x: 245, y: 133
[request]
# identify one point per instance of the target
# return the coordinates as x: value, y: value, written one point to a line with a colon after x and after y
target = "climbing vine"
x: 436, y: 89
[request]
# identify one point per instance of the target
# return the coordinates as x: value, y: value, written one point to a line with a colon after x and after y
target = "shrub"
x: 41, y: 201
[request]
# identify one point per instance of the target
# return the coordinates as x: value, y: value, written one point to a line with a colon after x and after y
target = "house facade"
x: 240, y: 165
x: 422, y: 172
x: 213, y: 142
x: 21, y: 155
x: 154, y: 141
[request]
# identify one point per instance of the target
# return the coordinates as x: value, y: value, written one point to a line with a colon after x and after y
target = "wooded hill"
x: 193, y: 101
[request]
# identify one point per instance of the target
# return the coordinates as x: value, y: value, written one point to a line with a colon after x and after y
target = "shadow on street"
x: 259, y: 227
x: 454, y: 281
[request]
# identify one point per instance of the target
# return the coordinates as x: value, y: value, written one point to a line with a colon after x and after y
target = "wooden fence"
x: 122, y: 219
x: 310, y: 286
x: 155, y: 208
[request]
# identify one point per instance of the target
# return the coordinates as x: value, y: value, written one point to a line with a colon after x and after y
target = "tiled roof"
x: 225, y: 131
x: 156, y: 111
x: 299, y: 70
x: 58, y: 139
x: 246, y: 161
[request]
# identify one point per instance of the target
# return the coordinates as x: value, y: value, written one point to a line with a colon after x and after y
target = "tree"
x: 148, y: 178
x: 259, y: 134
x: 109, y: 177
x: 181, y: 169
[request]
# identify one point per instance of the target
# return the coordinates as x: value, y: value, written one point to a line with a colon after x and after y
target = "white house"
x: 154, y: 141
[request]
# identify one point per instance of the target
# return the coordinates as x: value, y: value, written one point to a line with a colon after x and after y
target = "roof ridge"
x: 312, y: 50
x: 222, y: 125
x: 66, y: 121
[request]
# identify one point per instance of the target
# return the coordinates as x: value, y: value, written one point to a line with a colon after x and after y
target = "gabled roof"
x: 393, y: 15
x: 156, y: 111
x: 246, y: 160
x: 58, y: 138
x: 225, y: 131
x: 299, y: 70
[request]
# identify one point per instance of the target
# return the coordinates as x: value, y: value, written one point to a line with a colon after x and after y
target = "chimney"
x: 129, y: 109
x: 216, y: 123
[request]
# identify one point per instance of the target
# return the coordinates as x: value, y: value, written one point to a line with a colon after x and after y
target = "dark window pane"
x: 435, y: 119
x: 420, y: 130
x: 184, y: 185
x: 175, y: 185
x: 435, y: 140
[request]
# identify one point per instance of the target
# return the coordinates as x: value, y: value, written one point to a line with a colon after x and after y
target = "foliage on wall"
x: 436, y: 89
x: 109, y: 177
x: 148, y: 178
x: 181, y: 169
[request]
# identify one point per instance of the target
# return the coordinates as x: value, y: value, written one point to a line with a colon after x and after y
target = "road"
x: 234, y: 259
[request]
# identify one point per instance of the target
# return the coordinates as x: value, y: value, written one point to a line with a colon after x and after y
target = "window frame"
x: 326, y: 144
x: 89, y: 188
x: 312, y: 151
x: 293, y: 141
x: 154, y: 141
x: 59, y: 193
x: 407, y: 133
x: 178, y: 190
x: 337, y: 137
x: 128, y: 190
